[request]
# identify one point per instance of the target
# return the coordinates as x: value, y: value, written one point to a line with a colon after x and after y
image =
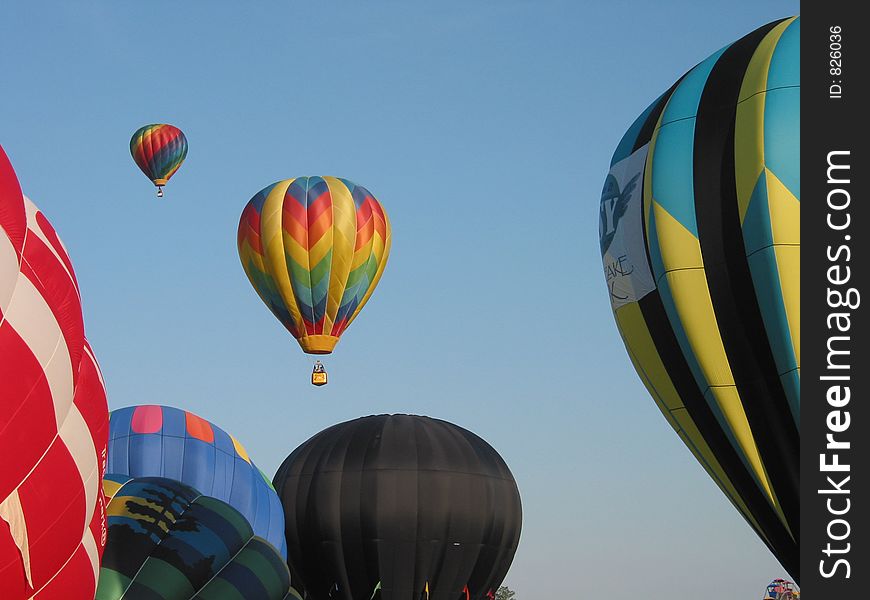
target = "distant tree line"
x: 505, y: 593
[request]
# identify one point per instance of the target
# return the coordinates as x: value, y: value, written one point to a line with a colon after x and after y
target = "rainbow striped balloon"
x: 159, y: 151
x: 314, y: 248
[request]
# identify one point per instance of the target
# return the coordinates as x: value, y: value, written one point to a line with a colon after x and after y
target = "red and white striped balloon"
x: 53, y: 414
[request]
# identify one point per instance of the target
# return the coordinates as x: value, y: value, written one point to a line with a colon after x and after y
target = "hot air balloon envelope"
x: 53, y: 414
x: 161, y: 441
x: 314, y: 249
x: 400, y: 504
x: 158, y: 150
x: 166, y: 540
x: 700, y: 235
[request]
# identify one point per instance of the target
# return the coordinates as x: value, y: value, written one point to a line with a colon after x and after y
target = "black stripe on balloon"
x: 729, y: 279
x: 644, y: 137
x: 668, y: 348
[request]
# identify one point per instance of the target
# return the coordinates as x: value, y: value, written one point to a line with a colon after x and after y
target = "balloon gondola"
x: 700, y: 237
x: 318, y: 374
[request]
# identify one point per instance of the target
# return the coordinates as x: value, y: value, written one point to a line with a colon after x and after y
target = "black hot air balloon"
x: 405, y: 506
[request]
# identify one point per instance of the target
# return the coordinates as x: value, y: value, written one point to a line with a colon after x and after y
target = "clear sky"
x: 485, y: 127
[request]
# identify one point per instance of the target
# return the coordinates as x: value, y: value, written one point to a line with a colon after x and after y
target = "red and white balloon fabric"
x: 53, y: 414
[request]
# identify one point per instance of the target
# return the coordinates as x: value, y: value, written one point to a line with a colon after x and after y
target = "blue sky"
x: 486, y: 129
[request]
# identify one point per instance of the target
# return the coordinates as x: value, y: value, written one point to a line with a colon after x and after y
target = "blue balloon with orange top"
x: 162, y: 441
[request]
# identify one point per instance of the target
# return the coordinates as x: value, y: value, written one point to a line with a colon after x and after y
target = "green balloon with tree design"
x: 168, y: 541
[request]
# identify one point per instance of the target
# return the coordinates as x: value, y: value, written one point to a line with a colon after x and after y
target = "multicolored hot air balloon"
x: 403, y: 506
x: 158, y: 150
x: 161, y: 441
x: 314, y: 249
x: 700, y: 235
x: 53, y: 414
x: 167, y: 541
x: 780, y: 589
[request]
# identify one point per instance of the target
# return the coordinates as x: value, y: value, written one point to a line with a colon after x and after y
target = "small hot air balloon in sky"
x: 162, y: 441
x: 167, y: 540
x: 158, y: 150
x: 781, y: 589
x: 53, y: 414
x: 314, y: 248
x: 700, y: 236
x: 403, y: 506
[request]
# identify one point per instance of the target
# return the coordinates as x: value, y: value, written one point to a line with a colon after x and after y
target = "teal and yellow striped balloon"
x: 700, y: 236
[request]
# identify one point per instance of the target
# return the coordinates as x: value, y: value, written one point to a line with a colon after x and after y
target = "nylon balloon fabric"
x: 700, y: 235
x: 401, y: 504
x: 162, y: 441
x: 158, y: 150
x: 314, y: 248
x: 167, y: 541
x: 53, y: 413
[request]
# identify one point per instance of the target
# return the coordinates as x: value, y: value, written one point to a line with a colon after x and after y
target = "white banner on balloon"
x: 620, y: 230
